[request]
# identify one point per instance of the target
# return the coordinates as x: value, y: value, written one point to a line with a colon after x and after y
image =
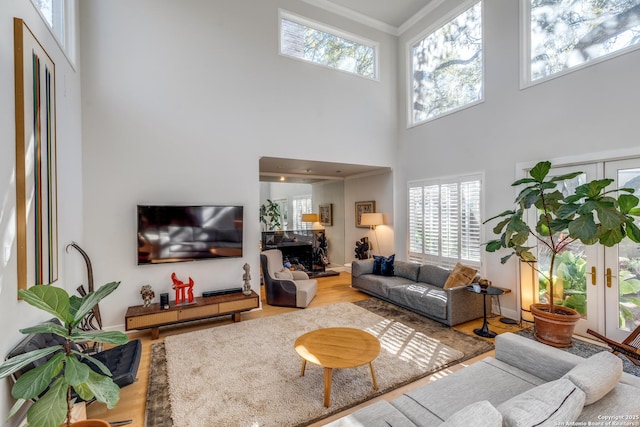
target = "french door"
x: 602, y: 284
x: 622, y: 263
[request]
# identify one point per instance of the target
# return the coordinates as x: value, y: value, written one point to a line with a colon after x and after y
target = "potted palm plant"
x: 52, y: 382
x: 591, y: 215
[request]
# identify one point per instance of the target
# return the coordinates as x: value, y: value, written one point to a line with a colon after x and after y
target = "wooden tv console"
x: 140, y: 317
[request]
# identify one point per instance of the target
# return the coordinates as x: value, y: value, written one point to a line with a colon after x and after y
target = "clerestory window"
x: 563, y: 35
x: 447, y: 65
x: 320, y: 44
x: 53, y: 13
x: 59, y: 16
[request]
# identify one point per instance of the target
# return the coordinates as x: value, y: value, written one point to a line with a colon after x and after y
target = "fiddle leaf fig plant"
x: 591, y: 214
x: 52, y: 382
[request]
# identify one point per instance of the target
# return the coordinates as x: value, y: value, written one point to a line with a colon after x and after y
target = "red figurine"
x: 180, y: 287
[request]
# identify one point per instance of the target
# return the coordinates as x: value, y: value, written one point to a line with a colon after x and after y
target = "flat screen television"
x: 188, y: 233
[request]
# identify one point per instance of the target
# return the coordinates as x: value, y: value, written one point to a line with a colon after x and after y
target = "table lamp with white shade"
x: 372, y: 219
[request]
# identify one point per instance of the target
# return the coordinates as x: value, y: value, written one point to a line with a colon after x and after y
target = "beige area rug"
x: 248, y: 373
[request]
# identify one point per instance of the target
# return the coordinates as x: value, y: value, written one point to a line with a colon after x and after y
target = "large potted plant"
x: 591, y: 214
x: 63, y: 373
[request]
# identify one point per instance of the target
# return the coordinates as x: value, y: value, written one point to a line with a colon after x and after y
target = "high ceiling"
x: 386, y: 15
x: 389, y: 15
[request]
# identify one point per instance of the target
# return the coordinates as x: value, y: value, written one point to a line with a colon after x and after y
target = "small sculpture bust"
x: 362, y: 248
x: 246, y: 277
x: 147, y: 295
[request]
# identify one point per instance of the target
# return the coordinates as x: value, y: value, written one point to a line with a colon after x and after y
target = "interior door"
x: 622, y: 263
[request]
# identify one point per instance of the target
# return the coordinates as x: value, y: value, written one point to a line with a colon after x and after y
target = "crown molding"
x: 433, y: 5
x: 353, y: 15
x: 374, y: 23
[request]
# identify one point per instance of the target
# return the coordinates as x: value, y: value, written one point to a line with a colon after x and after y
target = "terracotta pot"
x: 91, y: 423
x: 554, y: 329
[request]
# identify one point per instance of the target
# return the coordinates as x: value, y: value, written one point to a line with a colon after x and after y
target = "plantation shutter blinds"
x: 444, y: 221
x: 301, y: 205
x: 416, y: 223
x: 449, y: 227
x: 471, y: 221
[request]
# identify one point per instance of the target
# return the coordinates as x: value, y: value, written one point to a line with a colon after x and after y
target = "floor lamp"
x: 372, y: 220
x: 528, y: 289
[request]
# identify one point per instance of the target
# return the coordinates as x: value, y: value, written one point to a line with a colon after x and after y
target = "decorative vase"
x: 91, y: 423
x: 554, y: 329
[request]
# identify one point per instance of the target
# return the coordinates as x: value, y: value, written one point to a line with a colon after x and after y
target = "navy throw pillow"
x: 377, y: 265
x: 383, y: 266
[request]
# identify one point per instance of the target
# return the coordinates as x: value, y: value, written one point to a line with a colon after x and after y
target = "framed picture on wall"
x: 326, y: 214
x: 36, y: 165
x: 364, y: 207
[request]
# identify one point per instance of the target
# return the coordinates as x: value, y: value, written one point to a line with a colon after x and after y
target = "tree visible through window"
x: 302, y: 39
x: 46, y: 8
x: 445, y: 222
x: 446, y: 66
x: 569, y: 33
x: 53, y: 13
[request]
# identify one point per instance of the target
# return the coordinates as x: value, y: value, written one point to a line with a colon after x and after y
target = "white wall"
x: 333, y: 192
x: 181, y: 99
x: 378, y: 188
x: 591, y: 110
x: 16, y: 314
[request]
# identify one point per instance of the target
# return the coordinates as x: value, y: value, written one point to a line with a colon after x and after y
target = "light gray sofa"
x: 526, y: 384
x: 419, y: 288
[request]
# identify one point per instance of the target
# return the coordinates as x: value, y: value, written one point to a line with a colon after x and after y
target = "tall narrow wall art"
x: 36, y: 165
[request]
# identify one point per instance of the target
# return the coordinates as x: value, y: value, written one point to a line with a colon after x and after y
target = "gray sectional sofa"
x: 526, y: 384
x: 419, y: 288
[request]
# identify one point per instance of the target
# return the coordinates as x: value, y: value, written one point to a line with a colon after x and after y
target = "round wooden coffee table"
x: 337, y: 348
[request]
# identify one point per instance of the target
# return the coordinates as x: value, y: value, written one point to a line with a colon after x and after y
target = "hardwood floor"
x: 331, y: 290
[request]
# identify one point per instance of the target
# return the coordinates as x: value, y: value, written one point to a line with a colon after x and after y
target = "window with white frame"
x: 562, y: 35
x: 54, y: 13
x: 320, y: 44
x: 446, y: 65
x: 445, y: 221
x: 301, y: 205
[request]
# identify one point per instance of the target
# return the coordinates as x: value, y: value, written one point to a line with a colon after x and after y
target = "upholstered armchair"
x: 284, y: 287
